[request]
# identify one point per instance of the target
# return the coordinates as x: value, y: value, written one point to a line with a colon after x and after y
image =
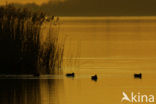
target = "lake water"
x: 114, y: 48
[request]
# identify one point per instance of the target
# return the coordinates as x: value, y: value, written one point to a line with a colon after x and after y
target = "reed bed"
x: 29, y: 42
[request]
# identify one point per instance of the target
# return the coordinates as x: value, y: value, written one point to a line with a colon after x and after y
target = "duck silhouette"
x: 70, y: 74
x: 138, y: 75
x: 94, y: 77
x: 36, y: 74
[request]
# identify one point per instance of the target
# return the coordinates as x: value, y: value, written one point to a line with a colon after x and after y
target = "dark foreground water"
x: 17, y: 91
x: 79, y: 90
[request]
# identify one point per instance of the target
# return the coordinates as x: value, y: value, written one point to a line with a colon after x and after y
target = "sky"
x: 90, y: 7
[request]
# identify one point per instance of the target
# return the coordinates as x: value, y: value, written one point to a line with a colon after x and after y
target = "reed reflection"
x: 28, y: 91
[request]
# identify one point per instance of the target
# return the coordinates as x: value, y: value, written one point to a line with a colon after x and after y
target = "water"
x: 113, y: 48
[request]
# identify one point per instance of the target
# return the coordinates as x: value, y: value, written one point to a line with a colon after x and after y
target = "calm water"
x: 113, y: 48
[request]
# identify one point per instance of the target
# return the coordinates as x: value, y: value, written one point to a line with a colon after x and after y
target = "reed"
x: 29, y: 42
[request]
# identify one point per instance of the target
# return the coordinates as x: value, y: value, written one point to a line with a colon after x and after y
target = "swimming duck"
x: 70, y: 74
x: 36, y: 74
x: 138, y: 75
x: 94, y: 77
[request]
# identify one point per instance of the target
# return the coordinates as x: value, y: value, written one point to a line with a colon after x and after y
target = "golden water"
x: 114, y: 48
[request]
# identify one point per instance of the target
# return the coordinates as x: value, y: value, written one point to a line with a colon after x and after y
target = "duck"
x: 36, y: 74
x: 94, y: 77
x: 138, y: 75
x: 70, y: 74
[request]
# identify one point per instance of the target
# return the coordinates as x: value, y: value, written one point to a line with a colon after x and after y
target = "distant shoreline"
x: 108, y: 17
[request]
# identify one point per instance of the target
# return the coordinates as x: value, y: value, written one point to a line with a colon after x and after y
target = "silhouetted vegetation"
x: 24, y: 47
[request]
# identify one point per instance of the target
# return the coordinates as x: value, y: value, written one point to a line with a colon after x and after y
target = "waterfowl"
x: 36, y: 74
x: 138, y: 75
x: 94, y: 77
x: 70, y: 74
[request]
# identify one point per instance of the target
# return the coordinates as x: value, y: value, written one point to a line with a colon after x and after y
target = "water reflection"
x: 28, y: 91
x: 80, y: 90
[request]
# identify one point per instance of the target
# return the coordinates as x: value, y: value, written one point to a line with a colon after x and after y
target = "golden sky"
x: 39, y: 2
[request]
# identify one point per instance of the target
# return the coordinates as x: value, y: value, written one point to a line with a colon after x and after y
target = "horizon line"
x: 108, y: 17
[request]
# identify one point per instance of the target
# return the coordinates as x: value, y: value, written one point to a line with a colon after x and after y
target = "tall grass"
x: 29, y: 42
